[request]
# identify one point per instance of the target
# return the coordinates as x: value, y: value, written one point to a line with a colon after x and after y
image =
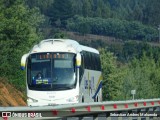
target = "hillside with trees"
x: 130, y: 63
x: 125, y: 19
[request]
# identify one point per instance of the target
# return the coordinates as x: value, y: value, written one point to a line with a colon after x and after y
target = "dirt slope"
x: 106, y: 39
x: 92, y: 37
x: 9, y: 95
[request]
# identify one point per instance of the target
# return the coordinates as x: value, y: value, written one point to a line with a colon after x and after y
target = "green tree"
x: 77, y: 7
x: 112, y: 77
x: 128, y: 83
x: 61, y: 10
x: 142, y: 72
x: 43, y: 5
x: 151, y: 12
x: 18, y: 31
x: 87, y: 8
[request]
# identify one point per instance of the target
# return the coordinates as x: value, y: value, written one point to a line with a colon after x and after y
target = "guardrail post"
x: 100, y: 117
x: 64, y: 118
x: 147, y: 111
x: 80, y: 118
x: 153, y: 110
x: 108, y: 117
x: 95, y: 117
x: 138, y: 112
x: 129, y: 117
x: 156, y: 110
x: 120, y: 117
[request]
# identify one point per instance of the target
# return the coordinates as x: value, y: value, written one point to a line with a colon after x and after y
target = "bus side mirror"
x: 23, y: 61
x: 78, y: 60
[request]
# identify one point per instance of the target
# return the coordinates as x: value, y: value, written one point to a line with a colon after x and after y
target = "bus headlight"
x: 72, y: 99
x: 31, y: 100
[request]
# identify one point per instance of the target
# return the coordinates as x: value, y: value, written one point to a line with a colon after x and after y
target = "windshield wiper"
x: 63, y: 87
x: 69, y: 86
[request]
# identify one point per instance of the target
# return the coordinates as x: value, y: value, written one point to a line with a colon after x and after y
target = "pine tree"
x: 61, y: 10
x: 86, y: 8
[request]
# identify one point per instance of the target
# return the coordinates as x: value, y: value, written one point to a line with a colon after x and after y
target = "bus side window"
x: 81, y: 68
x: 99, y: 62
x: 96, y: 62
x: 85, y: 60
x: 28, y: 70
x: 82, y: 61
x: 93, y: 61
x: 89, y: 61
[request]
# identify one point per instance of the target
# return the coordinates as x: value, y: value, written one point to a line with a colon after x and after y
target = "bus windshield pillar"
x: 78, y: 76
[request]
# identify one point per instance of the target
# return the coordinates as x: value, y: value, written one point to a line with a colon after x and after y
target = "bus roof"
x: 61, y: 45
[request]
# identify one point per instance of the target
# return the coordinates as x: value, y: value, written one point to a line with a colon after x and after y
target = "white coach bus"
x: 61, y: 71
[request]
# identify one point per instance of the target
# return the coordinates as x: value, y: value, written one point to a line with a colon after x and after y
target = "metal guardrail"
x: 128, y: 110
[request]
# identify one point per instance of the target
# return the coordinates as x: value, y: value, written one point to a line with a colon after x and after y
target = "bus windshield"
x: 51, y: 71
